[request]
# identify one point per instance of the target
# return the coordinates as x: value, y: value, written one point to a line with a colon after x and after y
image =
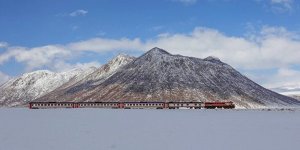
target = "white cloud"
x: 3, y: 44
x: 269, y: 48
x: 79, y: 12
x: 61, y: 66
x: 282, y: 5
x: 3, y: 77
x: 104, y: 45
x: 272, y: 47
x: 285, y: 78
x: 36, y: 57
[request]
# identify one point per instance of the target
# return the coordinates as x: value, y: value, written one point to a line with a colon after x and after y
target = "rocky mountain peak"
x: 213, y: 59
x: 157, y: 51
x: 121, y: 57
x: 116, y: 62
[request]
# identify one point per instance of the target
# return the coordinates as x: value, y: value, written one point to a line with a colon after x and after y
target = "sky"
x: 259, y: 38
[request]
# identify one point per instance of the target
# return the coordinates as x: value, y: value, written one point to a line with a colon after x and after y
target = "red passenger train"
x: 133, y: 105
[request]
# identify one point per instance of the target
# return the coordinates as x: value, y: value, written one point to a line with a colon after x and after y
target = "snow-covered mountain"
x: 83, y: 86
x: 292, y: 93
x: 32, y: 85
x: 289, y: 90
x: 160, y: 76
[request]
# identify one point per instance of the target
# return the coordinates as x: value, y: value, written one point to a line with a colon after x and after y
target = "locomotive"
x: 133, y: 105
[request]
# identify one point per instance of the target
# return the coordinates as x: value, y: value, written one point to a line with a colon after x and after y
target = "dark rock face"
x: 159, y: 76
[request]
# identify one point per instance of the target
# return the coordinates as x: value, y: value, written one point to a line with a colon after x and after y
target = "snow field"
x: 105, y: 129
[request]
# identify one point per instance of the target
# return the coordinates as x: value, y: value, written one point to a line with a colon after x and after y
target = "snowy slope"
x: 108, y: 129
x: 88, y: 82
x: 291, y: 91
x: 32, y: 85
x: 294, y: 94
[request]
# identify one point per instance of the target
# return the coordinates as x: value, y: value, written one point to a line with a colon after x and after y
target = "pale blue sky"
x: 250, y: 35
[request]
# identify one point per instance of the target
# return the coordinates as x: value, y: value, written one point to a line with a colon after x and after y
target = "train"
x: 134, y: 105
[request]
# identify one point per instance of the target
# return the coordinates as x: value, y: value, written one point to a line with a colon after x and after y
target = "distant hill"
x: 29, y: 86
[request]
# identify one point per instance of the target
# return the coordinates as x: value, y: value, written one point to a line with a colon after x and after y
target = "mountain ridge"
x: 160, y: 76
x: 157, y: 75
x: 32, y: 85
x: 91, y: 80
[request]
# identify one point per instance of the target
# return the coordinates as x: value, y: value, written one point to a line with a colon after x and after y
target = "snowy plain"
x: 113, y: 129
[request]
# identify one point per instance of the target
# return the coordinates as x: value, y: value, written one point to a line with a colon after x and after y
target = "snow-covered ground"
x: 105, y: 129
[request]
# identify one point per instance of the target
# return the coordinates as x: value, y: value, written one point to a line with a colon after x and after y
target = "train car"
x: 184, y: 105
x: 213, y: 105
x: 141, y: 105
x: 98, y: 105
x: 44, y: 105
